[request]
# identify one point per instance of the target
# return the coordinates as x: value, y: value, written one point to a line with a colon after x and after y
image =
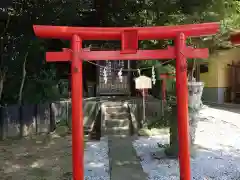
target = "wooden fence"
x: 153, y: 109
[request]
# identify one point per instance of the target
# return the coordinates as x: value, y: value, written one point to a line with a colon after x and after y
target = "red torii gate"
x: 129, y: 37
x: 235, y: 38
x: 164, y: 77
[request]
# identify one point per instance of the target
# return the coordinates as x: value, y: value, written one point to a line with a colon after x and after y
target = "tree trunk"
x: 2, y: 79
x: 172, y: 150
x: 23, y: 79
x: 21, y: 93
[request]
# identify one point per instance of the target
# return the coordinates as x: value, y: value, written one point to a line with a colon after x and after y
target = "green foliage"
x: 42, y: 79
x: 17, y: 40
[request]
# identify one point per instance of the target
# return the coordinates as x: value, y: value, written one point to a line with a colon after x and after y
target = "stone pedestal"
x: 195, y: 104
x: 195, y: 90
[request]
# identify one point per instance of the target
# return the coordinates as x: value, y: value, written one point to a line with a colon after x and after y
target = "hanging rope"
x: 131, y: 70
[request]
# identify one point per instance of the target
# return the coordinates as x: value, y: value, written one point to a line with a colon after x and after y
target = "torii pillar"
x: 235, y: 38
x: 129, y: 37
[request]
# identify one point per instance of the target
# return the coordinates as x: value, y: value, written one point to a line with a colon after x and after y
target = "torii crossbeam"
x: 129, y: 37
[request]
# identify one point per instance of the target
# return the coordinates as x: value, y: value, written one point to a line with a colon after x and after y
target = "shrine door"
x: 113, y: 85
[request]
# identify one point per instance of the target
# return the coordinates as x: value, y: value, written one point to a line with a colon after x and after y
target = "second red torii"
x: 164, y: 77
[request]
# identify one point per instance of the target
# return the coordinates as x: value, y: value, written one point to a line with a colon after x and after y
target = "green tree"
x: 18, y: 40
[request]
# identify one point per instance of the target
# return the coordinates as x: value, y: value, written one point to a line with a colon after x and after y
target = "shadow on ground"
x: 43, y: 156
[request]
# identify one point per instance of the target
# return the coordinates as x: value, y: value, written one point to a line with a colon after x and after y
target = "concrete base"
x: 214, y: 94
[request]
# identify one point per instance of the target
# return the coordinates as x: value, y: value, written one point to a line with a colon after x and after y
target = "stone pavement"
x: 124, y: 162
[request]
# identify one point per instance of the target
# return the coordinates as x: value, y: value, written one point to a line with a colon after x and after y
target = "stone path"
x: 123, y: 160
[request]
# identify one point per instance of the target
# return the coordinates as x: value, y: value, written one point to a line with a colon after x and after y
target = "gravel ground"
x: 218, y: 135
x: 96, y: 160
x: 49, y: 158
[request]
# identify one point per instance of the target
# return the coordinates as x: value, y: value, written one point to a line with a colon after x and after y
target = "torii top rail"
x: 129, y: 37
x: 115, y: 33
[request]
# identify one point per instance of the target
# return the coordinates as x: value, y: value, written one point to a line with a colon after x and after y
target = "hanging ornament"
x: 122, y: 63
x: 109, y: 67
x: 119, y: 63
x: 153, y: 76
x: 120, y: 75
x: 105, y: 75
x: 139, y: 72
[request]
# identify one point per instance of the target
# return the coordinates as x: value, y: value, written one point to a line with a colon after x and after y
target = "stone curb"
x: 226, y: 105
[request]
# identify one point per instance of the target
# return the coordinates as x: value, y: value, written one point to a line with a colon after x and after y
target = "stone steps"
x: 116, y: 117
x: 123, y: 161
x: 117, y: 120
x: 117, y: 123
x: 118, y: 131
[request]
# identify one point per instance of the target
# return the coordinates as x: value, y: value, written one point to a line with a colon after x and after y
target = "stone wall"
x: 27, y: 120
x: 153, y: 109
